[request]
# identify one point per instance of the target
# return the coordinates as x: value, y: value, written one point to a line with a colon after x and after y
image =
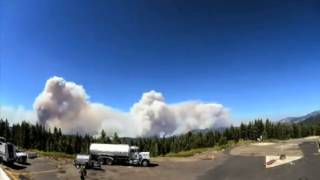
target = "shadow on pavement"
x: 96, y: 169
x: 150, y: 165
x: 15, y: 166
x: 153, y: 165
x: 27, y: 164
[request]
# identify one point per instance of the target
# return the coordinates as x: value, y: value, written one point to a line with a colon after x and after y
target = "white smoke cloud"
x: 66, y: 105
x: 199, y: 115
x: 152, y: 115
x: 17, y: 114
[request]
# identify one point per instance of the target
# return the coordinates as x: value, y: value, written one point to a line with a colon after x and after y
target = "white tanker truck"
x: 114, y: 153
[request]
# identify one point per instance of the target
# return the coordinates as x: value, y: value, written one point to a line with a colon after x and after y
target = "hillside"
x: 313, y: 117
x: 312, y: 120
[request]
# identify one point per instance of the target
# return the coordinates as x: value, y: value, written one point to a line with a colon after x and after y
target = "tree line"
x: 35, y: 136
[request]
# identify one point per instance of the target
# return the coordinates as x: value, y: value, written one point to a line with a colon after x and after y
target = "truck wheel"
x: 108, y: 161
x: 145, y: 163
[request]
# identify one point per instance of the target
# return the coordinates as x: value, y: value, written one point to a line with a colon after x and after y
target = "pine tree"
x: 103, y: 137
x: 115, y: 139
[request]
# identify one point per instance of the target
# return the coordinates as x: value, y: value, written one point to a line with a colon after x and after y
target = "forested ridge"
x: 30, y: 136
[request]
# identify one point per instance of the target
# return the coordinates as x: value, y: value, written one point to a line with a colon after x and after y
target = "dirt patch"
x: 277, y: 161
x: 258, y: 149
x: 263, y: 144
x: 312, y: 138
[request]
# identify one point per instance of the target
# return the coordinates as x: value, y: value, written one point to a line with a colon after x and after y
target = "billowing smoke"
x: 153, y: 116
x: 198, y: 115
x: 66, y: 105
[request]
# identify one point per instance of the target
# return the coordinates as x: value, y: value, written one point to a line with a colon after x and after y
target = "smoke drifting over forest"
x: 66, y: 105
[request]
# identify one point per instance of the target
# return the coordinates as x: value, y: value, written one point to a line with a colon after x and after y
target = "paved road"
x: 251, y: 168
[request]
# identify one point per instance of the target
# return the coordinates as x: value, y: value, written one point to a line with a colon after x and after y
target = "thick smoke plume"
x: 152, y: 115
x: 66, y: 105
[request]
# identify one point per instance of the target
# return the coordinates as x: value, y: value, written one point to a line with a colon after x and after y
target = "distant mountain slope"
x: 313, y: 117
x: 312, y: 120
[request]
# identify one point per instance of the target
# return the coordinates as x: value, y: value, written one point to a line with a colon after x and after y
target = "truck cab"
x: 138, y: 158
x: 7, y: 151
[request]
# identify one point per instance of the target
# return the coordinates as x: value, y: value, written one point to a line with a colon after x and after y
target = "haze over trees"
x: 30, y: 136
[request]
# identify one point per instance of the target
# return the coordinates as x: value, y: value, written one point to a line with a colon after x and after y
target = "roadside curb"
x: 3, y: 175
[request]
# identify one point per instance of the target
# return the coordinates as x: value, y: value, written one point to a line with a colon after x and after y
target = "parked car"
x: 86, y: 161
x: 32, y: 155
x: 22, y: 156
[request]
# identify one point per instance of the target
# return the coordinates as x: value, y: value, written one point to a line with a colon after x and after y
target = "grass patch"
x: 54, y: 154
x: 189, y: 153
x: 193, y: 152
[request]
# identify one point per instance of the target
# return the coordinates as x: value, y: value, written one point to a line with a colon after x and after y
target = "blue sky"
x: 257, y: 58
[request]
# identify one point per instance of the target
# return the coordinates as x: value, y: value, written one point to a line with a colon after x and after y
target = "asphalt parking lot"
x: 44, y: 168
x: 245, y: 163
x: 250, y: 167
